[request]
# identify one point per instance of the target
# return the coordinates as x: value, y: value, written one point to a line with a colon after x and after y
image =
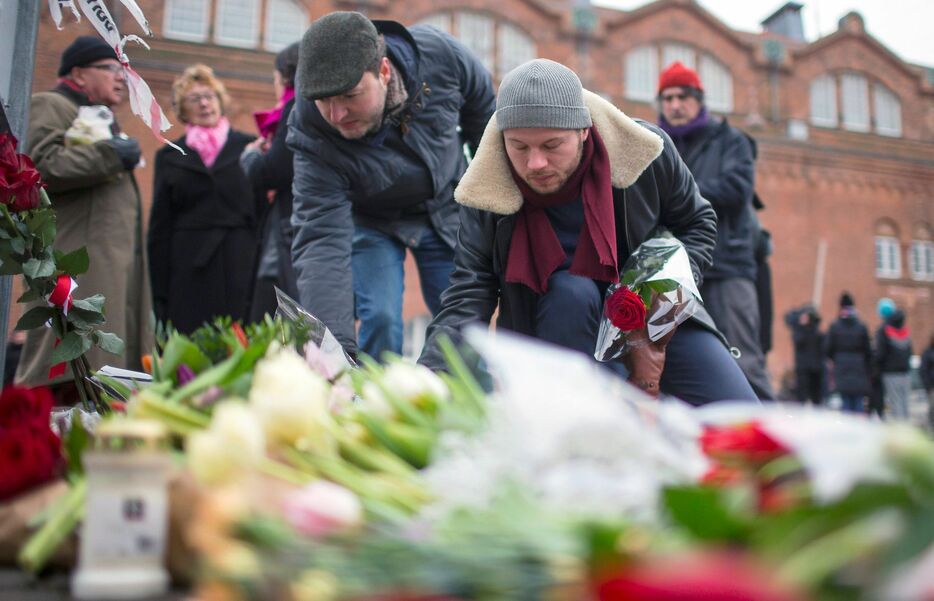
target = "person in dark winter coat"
x: 267, y: 162
x: 202, y: 228
x: 721, y: 159
x: 893, y: 358
x: 808, y: 343
x: 378, y: 133
x: 849, y: 349
x: 927, y: 379
x: 562, y: 189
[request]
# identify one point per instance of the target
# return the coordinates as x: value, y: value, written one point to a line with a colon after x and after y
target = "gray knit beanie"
x: 541, y: 93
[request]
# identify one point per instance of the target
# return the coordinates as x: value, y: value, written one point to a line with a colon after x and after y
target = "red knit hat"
x: 679, y: 76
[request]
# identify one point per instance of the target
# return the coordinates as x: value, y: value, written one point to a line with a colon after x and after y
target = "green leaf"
x: 35, y: 318
x: 92, y: 303
x: 31, y: 294
x: 108, y: 342
x: 704, y: 513
x: 36, y: 268
x: 74, y: 263
x: 74, y: 443
x: 629, y: 277
x: 73, y: 345
x: 646, y: 293
x: 85, y: 319
x: 179, y: 349
x: 662, y: 286
x: 18, y: 245
x: 9, y: 265
x: 4, y: 234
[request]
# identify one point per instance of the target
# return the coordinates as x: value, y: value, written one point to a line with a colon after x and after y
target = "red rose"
x: 744, y: 442
x: 19, y: 181
x: 20, y: 405
x: 625, y: 309
x: 30, y: 454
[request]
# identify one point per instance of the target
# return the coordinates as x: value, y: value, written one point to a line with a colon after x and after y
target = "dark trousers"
x: 698, y: 368
x: 809, y: 385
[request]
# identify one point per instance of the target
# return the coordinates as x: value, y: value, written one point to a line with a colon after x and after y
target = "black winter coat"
x: 337, y: 179
x: 202, y: 235
x: 893, y: 345
x: 722, y: 160
x: 651, y: 188
x: 272, y: 170
x: 849, y: 348
x: 809, y: 347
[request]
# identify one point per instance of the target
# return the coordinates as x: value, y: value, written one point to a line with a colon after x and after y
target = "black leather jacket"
x: 663, y: 193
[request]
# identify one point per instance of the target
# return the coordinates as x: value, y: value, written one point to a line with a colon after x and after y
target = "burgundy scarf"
x: 535, y: 251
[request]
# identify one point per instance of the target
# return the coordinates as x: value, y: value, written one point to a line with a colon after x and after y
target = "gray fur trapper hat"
x: 335, y: 52
x: 541, y: 93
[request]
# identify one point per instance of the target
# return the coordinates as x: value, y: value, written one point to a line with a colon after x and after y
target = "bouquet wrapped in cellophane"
x: 656, y: 292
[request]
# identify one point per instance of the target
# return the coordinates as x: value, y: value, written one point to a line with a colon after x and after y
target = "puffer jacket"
x: 847, y: 345
x: 335, y: 179
x: 651, y: 187
x: 893, y: 345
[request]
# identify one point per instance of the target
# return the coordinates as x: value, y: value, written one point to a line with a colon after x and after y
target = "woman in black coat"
x: 202, y: 229
x: 849, y: 348
x: 267, y: 163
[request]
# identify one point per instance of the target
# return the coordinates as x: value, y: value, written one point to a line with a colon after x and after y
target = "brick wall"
x: 832, y: 189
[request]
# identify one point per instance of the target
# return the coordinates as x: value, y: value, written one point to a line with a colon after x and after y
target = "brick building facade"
x: 845, y: 128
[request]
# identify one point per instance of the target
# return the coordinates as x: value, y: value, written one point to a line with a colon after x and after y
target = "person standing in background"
x: 202, y: 229
x: 97, y: 205
x: 722, y: 160
x: 267, y: 162
x: 893, y: 358
x: 927, y: 379
x: 808, y: 343
x: 849, y: 348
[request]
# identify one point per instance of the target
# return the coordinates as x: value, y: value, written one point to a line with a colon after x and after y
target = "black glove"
x: 128, y: 150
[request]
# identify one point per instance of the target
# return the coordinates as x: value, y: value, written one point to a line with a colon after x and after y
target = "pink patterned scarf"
x: 267, y: 121
x: 207, y: 141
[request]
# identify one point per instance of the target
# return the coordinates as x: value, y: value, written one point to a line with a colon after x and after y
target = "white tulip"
x: 414, y: 383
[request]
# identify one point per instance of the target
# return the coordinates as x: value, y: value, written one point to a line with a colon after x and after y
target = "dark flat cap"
x: 84, y: 51
x: 335, y: 52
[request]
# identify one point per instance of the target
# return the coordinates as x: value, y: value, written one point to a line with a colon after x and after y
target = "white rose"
x: 414, y: 383
x: 291, y: 400
x: 231, y: 447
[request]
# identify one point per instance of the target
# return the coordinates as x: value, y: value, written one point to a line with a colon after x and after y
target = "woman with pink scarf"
x: 202, y: 228
x: 267, y: 163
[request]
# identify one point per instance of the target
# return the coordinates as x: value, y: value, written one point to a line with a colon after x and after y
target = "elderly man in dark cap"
x: 563, y: 188
x: 722, y: 160
x: 97, y: 205
x: 378, y: 130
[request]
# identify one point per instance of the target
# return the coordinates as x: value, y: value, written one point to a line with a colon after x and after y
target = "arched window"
x: 922, y: 254
x: 888, y: 111
x: 499, y: 45
x: 643, y: 65
x: 854, y: 100
x: 237, y: 23
x: 824, y: 101
x: 888, y: 250
x: 286, y: 21
x: 186, y: 20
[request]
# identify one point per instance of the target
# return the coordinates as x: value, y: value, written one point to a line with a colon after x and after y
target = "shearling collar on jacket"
x: 488, y: 184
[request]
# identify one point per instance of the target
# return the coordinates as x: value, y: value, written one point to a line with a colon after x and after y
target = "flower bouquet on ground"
x: 655, y: 293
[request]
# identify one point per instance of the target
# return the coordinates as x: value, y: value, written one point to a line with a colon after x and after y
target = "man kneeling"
x: 562, y: 189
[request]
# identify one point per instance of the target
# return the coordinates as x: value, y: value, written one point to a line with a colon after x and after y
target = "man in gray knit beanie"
x: 562, y: 189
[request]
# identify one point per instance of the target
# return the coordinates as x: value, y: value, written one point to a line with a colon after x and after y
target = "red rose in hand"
x: 19, y: 181
x: 625, y: 309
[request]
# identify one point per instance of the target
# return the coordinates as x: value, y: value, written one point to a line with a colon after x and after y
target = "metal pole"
x: 19, y: 28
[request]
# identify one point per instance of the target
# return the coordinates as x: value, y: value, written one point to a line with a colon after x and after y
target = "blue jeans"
x: 698, y: 367
x: 852, y: 403
x: 379, y: 280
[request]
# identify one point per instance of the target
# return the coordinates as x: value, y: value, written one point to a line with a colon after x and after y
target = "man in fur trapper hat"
x: 722, y: 160
x: 562, y: 189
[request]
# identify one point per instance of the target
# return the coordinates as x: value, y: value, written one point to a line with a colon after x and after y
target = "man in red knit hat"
x: 721, y: 158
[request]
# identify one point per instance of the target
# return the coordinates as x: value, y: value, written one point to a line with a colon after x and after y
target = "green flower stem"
x: 286, y: 473
x: 63, y: 518
x: 9, y: 220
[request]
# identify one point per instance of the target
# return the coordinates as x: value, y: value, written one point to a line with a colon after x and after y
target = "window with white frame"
x: 824, y: 101
x: 186, y: 20
x: 286, y: 21
x: 237, y: 23
x: 854, y: 99
x: 922, y: 259
x: 718, y: 85
x: 888, y: 111
x: 681, y: 53
x: 513, y: 47
x: 888, y: 257
x: 643, y: 65
x: 641, y: 73
x: 499, y: 45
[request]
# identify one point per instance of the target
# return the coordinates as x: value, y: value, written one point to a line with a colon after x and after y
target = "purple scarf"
x: 680, y: 131
x: 267, y: 121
